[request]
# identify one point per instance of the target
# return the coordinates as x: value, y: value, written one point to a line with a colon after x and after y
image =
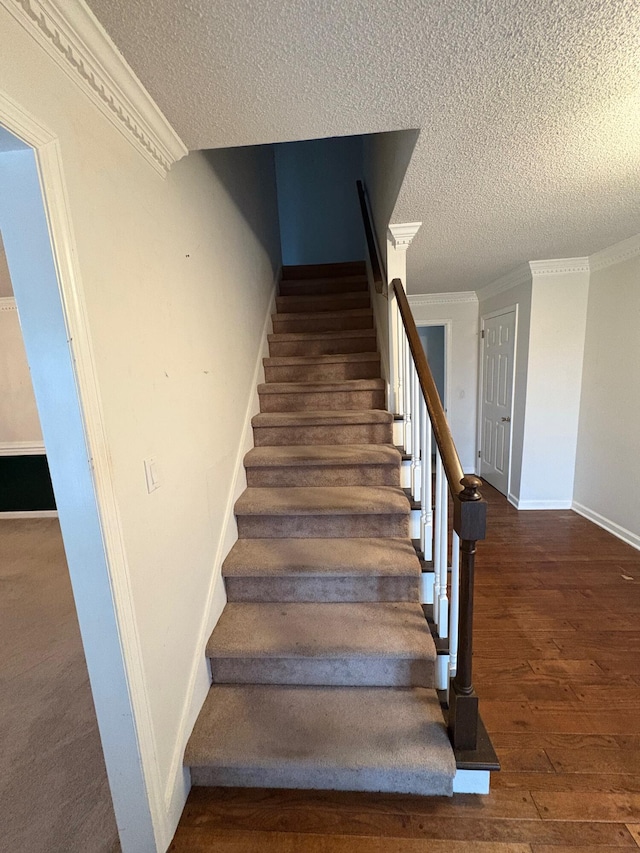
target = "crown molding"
x: 442, y: 298
x: 402, y: 233
x: 22, y: 448
x: 559, y: 266
x: 622, y: 251
x: 520, y: 275
x: 73, y: 37
x: 8, y: 303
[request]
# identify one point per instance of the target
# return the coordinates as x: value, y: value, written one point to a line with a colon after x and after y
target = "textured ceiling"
x: 529, y: 111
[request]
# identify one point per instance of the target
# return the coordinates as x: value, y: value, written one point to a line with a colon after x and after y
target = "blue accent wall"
x: 320, y: 218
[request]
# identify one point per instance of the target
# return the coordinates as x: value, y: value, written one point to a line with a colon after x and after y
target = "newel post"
x: 470, y: 514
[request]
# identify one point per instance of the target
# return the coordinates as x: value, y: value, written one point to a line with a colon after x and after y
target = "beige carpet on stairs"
x: 322, y: 661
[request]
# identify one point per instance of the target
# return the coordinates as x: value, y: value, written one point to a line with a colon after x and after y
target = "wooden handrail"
x: 377, y: 265
x: 439, y: 424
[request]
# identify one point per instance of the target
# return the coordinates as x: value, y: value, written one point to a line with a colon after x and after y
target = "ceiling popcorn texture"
x: 529, y: 113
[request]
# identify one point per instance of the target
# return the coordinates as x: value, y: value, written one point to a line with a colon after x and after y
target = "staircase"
x: 322, y: 661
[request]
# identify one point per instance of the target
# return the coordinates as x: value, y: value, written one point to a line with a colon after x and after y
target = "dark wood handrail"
x: 469, y: 510
x: 377, y: 266
x: 439, y: 425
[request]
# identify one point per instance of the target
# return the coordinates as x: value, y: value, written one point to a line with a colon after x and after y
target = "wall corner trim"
x: 442, y: 298
x: 622, y: 251
x: 402, y: 233
x: 517, y: 276
x: 73, y: 37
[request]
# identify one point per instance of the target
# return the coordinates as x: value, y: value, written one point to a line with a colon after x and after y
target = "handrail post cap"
x: 470, y: 485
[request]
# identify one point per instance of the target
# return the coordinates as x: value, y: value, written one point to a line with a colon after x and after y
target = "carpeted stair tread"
x: 287, y: 337
x: 345, y: 313
x: 314, y: 342
x: 336, y: 738
x: 323, y: 500
x: 322, y: 455
x: 322, y: 418
x: 343, y: 386
x: 265, y: 630
x: 342, y: 284
x: 320, y: 271
x: 312, y: 302
x: 332, y: 358
x: 322, y: 557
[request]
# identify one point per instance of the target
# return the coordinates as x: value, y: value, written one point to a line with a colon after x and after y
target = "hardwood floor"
x: 557, y: 670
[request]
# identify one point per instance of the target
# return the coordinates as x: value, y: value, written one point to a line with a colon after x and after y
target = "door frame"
x: 89, y: 516
x: 483, y: 318
x: 448, y: 331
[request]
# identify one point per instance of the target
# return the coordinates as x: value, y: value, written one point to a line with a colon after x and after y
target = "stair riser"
x: 332, y: 401
x: 322, y: 526
x: 329, y: 302
x: 322, y: 324
x: 323, y: 590
x: 335, y: 371
x: 315, y: 272
x: 358, y: 671
x: 395, y: 780
x: 326, y: 286
x: 334, y: 346
x: 352, y: 434
x: 324, y: 475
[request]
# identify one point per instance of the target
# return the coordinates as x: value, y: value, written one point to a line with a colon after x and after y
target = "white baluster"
x: 443, y: 604
x: 437, y: 540
x: 455, y: 603
x: 407, y: 394
x: 416, y: 481
x: 426, y: 514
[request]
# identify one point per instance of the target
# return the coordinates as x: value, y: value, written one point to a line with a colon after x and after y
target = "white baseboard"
x: 31, y: 513
x: 471, y: 782
x: 179, y: 780
x: 518, y: 504
x: 610, y: 526
x: 22, y: 448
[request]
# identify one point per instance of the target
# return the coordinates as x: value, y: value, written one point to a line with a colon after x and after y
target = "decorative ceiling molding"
x: 623, y: 251
x: 520, y: 275
x: 74, y: 38
x: 8, y: 303
x: 442, y: 298
x: 559, y: 266
x: 402, y: 234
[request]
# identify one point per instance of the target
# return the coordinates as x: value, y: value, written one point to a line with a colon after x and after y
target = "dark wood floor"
x: 557, y: 669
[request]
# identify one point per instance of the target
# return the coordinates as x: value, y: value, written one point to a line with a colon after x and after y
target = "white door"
x: 497, y: 390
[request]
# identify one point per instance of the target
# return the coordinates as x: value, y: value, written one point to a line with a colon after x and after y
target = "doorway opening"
x: 435, y: 342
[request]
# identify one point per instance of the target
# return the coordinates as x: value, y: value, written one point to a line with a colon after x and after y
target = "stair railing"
x: 435, y: 486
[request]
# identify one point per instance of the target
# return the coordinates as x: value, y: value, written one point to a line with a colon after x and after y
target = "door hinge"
x: 482, y: 334
x: 479, y: 454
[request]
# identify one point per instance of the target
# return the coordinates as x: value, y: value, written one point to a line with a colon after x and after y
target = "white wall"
x: 19, y: 423
x: 608, y: 455
x: 177, y: 278
x: 554, y: 378
x: 320, y: 218
x: 462, y: 363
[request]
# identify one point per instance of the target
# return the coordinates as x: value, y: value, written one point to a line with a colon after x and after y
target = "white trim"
x: 178, y: 783
x: 513, y: 500
x: 622, y: 251
x: 559, y: 266
x: 402, y: 233
x: 30, y: 513
x: 71, y: 294
x: 616, y: 530
x: 471, y: 782
x: 520, y: 275
x: 8, y: 303
x: 22, y: 448
x: 442, y: 298
x: 534, y: 505
x: 77, y: 42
